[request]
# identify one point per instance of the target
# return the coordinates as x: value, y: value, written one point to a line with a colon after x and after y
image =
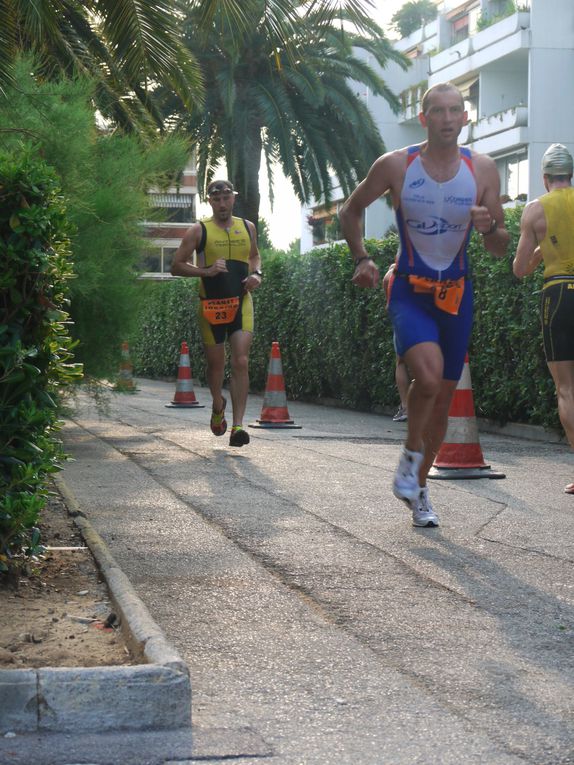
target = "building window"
x: 513, y: 171
x: 460, y: 28
x: 469, y: 91
x: 157, y: 260
x: 173, y: 208
x: 324, y: 224
x: 177, y: 214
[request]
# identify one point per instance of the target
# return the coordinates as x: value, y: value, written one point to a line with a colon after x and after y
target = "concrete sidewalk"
x: 152, y: 695
x: 317, y: 624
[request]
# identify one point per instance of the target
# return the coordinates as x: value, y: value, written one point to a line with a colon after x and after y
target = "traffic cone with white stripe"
x: 125, y: 382
x: 274, y: 412
x: 460, y: 455
x: 184, y: 397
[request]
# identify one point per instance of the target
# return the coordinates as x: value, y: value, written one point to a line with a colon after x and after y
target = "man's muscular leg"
x: 436, y: 427
x: 563, y: 375
x: 425, y: 363
x: 215, y: 355
x: 240, y: 342
x: 431, y: 396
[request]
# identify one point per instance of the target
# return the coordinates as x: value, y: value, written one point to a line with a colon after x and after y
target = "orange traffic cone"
x: 125, y: 382
x: 460, y: 455
x: 184, y: 395
x: 274, y: 413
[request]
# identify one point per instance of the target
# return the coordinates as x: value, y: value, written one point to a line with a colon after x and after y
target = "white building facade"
x: 174, y: 210
x: 513, y: 61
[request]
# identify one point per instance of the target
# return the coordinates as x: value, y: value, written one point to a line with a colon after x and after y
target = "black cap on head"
x: 220, y: 187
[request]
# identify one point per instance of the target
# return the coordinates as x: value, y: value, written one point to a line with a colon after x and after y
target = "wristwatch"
x: 492, y: 229
x: 257, y: 272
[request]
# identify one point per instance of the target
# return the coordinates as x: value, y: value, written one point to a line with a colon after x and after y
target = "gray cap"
x: 557, y: 160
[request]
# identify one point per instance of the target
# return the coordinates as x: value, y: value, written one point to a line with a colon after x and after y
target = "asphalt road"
x: 319, y: 626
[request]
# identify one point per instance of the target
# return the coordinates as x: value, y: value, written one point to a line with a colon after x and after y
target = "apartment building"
x: 511, y: 60
x: 172, y: 211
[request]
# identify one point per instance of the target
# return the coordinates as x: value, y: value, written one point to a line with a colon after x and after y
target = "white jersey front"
x: 434, y: 219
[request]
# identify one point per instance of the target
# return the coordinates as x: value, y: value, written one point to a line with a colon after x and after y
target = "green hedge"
x: 336, y: 340
x: 35, y: 348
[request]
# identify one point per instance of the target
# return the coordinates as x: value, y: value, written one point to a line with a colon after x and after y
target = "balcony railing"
x: 495, y: 33
x: 516, y: 116
x: 501, y: 29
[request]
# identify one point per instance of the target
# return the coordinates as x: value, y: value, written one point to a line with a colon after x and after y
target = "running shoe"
x: 238, y: 436
x: 423, y: 513
x: 401, y: 415
x: 406, y: 481
x: 218, y: 423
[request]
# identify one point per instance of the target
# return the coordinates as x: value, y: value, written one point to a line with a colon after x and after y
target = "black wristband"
x: 358, y: 260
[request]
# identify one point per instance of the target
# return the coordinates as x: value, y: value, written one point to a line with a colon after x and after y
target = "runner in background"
x: 547, y: 235
x: 229, y: 266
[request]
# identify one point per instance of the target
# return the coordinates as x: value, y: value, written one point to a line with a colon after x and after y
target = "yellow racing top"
x: 557, y: 247
x: 233, y: 245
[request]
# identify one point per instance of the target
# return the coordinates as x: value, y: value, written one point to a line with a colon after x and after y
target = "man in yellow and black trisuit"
x: 229, y: 266
x: 547, y: 234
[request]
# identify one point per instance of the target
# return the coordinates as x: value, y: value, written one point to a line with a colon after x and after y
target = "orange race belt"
x: 447, y: 294
x: 220, y: 310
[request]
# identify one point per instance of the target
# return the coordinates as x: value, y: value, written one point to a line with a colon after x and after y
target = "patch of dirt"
x: 59, y: 614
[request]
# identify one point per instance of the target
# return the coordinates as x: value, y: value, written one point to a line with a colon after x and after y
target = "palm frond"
x: 8, y: 44
x: 144, y: 36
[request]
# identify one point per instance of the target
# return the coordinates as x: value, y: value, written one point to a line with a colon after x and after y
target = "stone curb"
x: 153, y: 695
x: 522, y: 431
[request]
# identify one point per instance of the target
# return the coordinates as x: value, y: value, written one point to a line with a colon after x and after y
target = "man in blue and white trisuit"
x: 439, y: 192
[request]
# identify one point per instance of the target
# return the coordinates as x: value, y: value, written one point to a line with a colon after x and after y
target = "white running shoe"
x: 401, y: 415
x: 423, y: 513
x: 406, y: 480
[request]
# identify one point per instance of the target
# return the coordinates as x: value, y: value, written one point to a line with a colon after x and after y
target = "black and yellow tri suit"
x: 557, y: 248
x: 234, y: 246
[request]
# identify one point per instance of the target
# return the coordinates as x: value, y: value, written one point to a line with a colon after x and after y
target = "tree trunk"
x: 244, y: 161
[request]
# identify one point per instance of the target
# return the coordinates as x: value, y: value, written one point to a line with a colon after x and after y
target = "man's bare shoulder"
x: 395, y: 158
x: 390, y: 167
x: 482, y: 162
x: 193, y: 231
x: 532, y: 210
x: 191, y: 237
x: 250, y: 225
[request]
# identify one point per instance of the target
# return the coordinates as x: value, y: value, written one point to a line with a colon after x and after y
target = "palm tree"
x: 127, y: 45
x: 131, y: 46
x: 296, y: 104
x: 280, y: 17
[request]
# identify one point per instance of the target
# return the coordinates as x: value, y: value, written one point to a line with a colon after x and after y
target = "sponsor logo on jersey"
x: 458, y: 201
x: 417, y: 183
x: 434, y: 225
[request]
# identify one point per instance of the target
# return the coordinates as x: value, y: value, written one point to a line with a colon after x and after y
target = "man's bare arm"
x: 488, y: 215
x: 253, y: 281
x: 381, y: 178
x: 378, y: 181
x: 182, y: 265
x: 528, y: 255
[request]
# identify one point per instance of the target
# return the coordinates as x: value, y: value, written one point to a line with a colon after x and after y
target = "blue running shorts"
x: 416, y: 319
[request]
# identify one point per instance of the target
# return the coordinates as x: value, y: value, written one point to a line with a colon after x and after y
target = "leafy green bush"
x: 336, y: 340
x: 36, y: 348
x: 167, y: 317
x: 104, y: 178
